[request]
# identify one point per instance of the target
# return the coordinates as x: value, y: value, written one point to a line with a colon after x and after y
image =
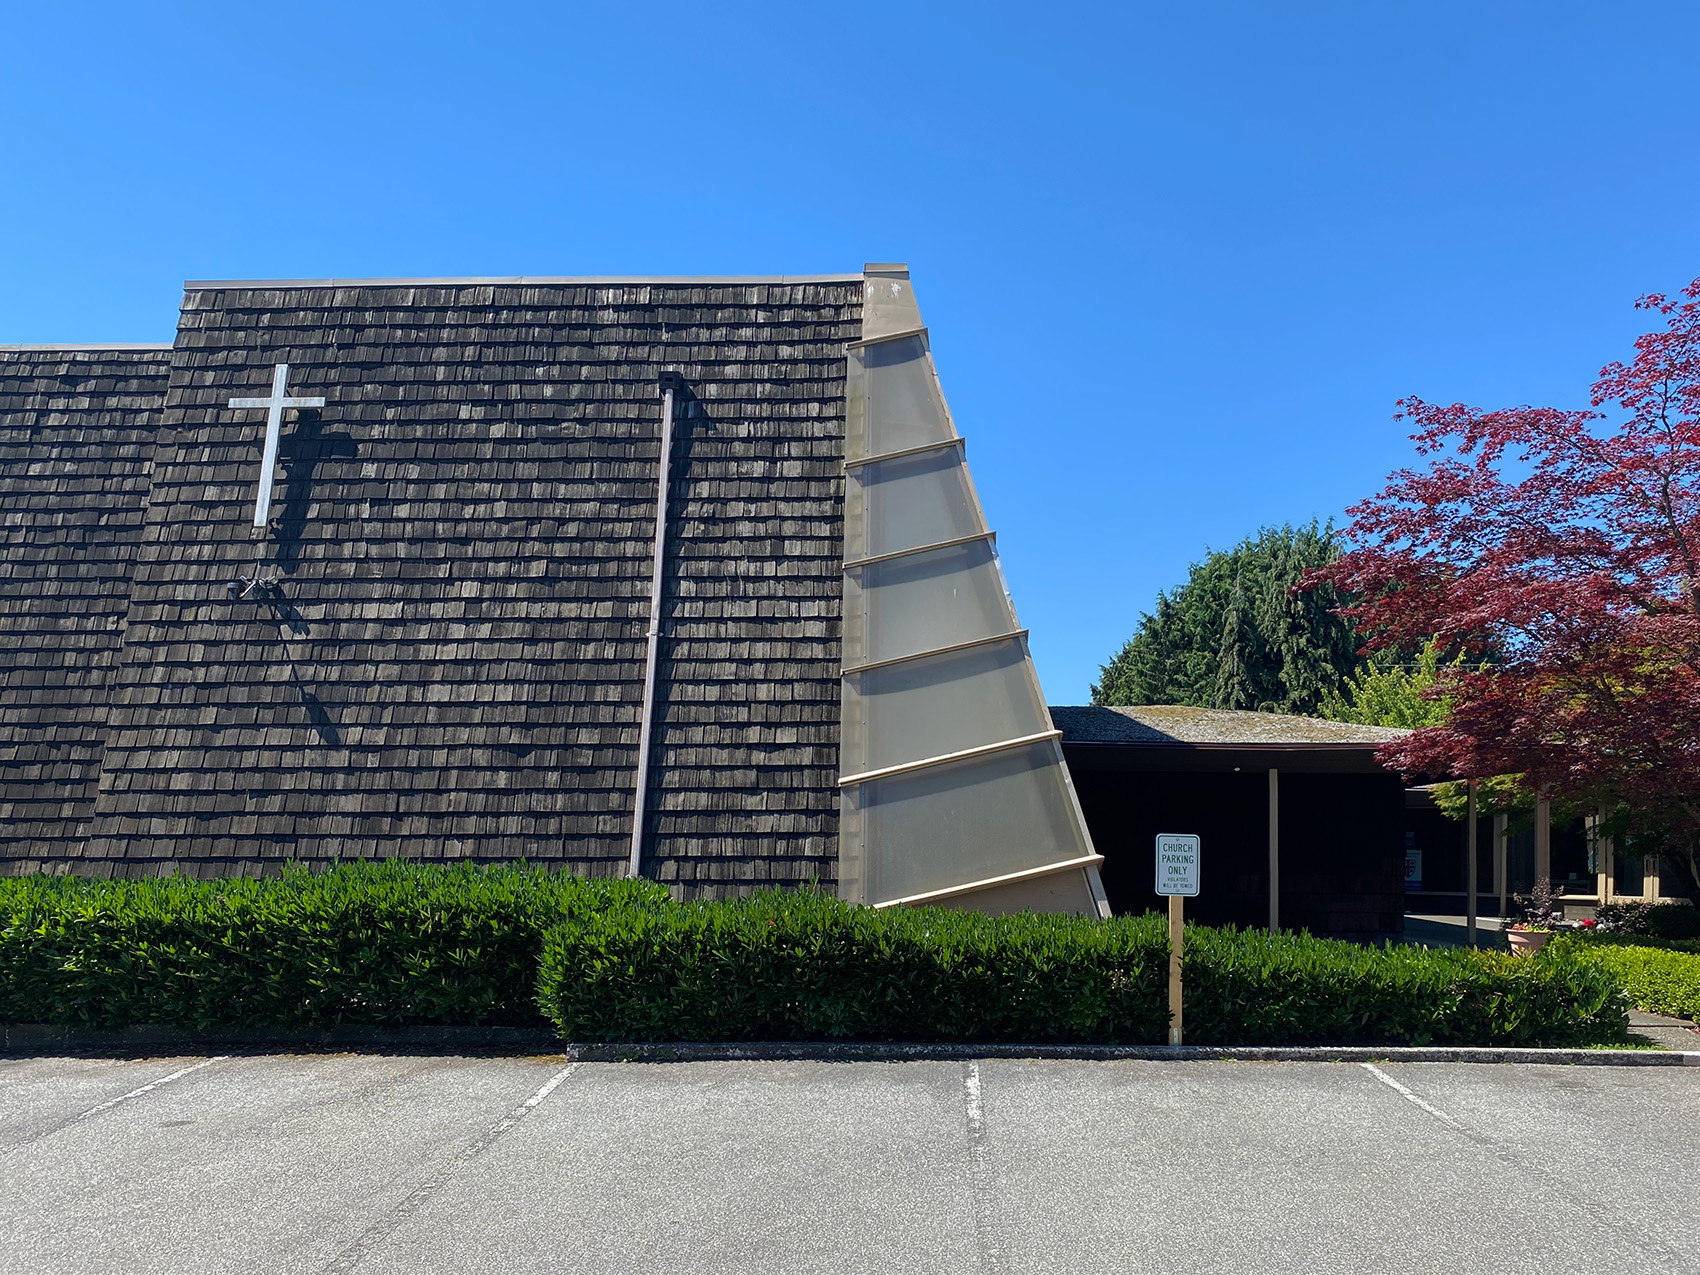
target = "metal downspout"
x: 670, y: 381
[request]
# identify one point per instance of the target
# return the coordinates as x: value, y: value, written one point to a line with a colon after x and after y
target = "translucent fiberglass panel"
x: 888, y: 300
x: 951, y: 825
x: 938, y: 705
x: 904, y: 407
x: 1067, y: 891
x: 915, y: 500
x: 924, y: 601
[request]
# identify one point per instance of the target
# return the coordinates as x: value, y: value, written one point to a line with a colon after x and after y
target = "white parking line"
x: 151, y: 1085
x: 385, y: 1226
x: 548, y: 1088
x: 1412, y: 1098
x: 982, y: 1182
x: 110, y: 1103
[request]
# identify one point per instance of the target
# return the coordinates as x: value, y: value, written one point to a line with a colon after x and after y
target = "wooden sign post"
x: 1177, y: 878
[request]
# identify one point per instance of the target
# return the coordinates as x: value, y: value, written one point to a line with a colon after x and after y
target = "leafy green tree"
x: 1392, y: 695
x: 1238, y: 635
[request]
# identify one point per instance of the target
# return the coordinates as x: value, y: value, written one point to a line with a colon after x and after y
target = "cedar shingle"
x: 463, y: 539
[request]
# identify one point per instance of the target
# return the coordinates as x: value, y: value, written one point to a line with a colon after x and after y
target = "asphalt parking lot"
x: 387, y: 1163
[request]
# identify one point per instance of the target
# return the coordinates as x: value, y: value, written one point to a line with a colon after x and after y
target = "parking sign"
x: 1177, y: 864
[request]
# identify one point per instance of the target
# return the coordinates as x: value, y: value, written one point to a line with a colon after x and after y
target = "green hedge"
x: 1595, y: 938
x: 1658, y: 980
x: 1659, y: 920
x: 801, y: 966
x: 1249, y: 987
x: 798, y: 966
x: 392, y: 944
x: 383, y: 944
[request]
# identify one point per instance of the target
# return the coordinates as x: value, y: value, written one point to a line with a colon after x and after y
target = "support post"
x: 1543, y: 840
x: 1274, y: 850
x: 1500, y: 868
x: 1470, y: 871
x: 1177, y: 939
x: 1600, y: 846
x: 640, y: 794
x: 1608, y: 870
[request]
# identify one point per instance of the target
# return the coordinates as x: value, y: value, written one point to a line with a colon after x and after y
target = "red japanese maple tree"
x: 1564, y: 546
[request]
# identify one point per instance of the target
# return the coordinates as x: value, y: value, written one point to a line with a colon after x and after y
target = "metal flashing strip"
x: 943, y: 759
x: 1008, y: 878
x: 216, y: 285
x: 851, y: 564
x: 883, y: 337
x: 920, y: 449
x: 954, y: 647
x: 640, y: 793
x: 88, y: 345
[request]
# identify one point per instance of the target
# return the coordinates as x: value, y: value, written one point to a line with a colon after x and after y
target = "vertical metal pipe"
x: 1607, y: 849
x: 1543, y: 840
x: 1501, y: 870
x: 1274, y: 850
x: 640, y: 796
x: 1470, y: 870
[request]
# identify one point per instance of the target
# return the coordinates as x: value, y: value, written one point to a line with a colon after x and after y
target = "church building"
x: 683, y: 578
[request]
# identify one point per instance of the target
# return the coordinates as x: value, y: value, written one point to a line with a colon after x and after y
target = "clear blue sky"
x: 1178, y: 260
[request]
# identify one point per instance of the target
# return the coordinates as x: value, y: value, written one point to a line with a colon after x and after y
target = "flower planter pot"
x: 1527, y: 942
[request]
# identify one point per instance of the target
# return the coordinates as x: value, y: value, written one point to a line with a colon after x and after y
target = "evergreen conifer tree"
x: 1238, y: 635
x: 1234, y: 658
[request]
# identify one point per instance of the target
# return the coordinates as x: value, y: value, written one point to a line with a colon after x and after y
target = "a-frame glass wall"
x: 953, y: 787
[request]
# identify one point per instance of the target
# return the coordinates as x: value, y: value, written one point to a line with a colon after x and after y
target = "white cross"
x: 274, y: 426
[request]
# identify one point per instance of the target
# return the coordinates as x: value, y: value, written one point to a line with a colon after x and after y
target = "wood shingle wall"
x: 76, y: 438
x: 453, y: 668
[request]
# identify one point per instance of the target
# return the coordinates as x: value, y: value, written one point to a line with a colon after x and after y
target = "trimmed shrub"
x: 1595, y: 938
x: 394, y: 944
x: 1659, y: 980
x: 1253, y: 988
x: 799, y: 966
x: 1658, y: 920
x: 802, y: 966
x: 386, y: 943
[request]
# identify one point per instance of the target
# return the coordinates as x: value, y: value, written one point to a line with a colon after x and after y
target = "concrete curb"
x: 820, y: 1051
x: 38, y: 1038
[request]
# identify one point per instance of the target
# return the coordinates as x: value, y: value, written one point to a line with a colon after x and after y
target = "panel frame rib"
x: 955, y: 542
x: 944, y: 759
x: 902, y: 335
x: 851, y: 670
x: 903, y: 453
x: 1009, y: 878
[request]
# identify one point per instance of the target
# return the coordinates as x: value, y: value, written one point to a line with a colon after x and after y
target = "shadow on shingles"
x: 320, y: 718
x: 301, y: 451
x: 285, y: 613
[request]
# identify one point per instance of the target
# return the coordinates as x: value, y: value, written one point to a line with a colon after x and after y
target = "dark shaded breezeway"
x: 1339, y: 858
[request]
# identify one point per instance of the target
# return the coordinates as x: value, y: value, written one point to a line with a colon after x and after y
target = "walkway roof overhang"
x: 1167, y: 737
x: 1327, y: 759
